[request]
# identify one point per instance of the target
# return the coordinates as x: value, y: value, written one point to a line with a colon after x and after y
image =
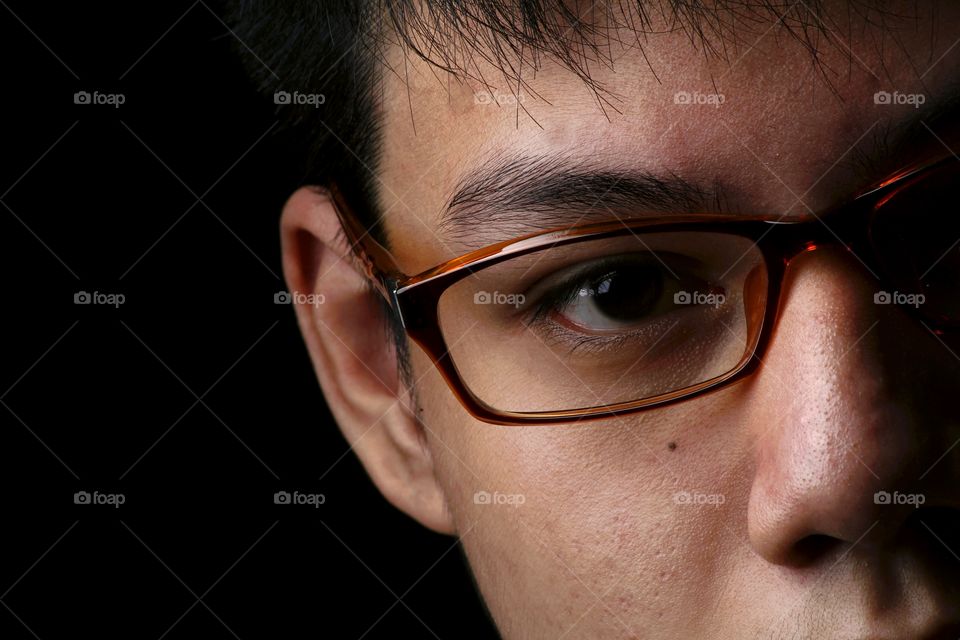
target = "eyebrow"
x: 520, y: 194
x: 900, y: 142
x: 510, y: 196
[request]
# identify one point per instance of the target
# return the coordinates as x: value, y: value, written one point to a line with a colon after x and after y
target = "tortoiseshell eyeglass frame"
x: 414, y: 298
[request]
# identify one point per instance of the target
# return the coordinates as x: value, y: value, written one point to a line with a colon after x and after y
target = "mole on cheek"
x: 672, y: 446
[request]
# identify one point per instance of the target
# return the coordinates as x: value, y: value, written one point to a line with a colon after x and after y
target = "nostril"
x: 813, y: 548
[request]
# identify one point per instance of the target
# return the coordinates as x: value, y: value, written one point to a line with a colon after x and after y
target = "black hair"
x: 335, y: 48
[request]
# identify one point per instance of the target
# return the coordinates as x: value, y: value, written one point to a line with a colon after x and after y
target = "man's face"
x: 783, y: 537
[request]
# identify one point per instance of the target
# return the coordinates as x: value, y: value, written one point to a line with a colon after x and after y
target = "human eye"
x: 608, y: 301
x: 605, y: 320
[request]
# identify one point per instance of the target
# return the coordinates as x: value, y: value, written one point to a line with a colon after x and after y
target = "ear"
x: 353, y: 354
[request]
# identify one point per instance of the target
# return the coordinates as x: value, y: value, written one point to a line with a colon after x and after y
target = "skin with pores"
x: 853, y: 398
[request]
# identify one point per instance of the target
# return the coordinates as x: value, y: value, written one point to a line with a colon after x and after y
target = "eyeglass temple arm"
x: 376, y: 260
x: 907, y: 172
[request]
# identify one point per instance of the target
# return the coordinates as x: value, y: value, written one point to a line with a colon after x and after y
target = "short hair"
x: 335, y: 48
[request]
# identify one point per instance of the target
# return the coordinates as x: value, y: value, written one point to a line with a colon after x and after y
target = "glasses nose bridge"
x: 818, y: 232
x: 794, y: 239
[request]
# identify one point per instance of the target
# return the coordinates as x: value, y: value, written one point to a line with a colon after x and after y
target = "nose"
x: 851, y: 416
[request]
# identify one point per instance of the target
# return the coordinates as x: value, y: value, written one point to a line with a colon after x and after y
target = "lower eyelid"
x: 555, y: 334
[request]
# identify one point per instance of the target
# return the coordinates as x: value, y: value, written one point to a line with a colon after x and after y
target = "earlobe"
x: 353, y: 354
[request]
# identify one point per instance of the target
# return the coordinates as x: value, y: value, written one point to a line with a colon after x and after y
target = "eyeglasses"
x: 621, y: 316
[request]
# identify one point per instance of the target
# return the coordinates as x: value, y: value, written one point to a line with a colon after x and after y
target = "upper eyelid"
x: 569, y: 287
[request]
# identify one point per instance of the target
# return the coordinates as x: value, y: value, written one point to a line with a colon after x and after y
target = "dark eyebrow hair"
x: 520, y: 194
x: 924, y: 132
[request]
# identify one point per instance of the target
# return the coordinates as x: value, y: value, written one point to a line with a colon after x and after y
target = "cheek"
x: 569, y: 519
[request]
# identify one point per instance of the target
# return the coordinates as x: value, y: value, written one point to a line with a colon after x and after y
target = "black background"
x: 195, y: 398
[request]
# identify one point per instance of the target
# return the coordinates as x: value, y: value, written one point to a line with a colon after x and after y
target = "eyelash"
x: 552, y: 301
x: 561, y: 295
x: 556, y: 334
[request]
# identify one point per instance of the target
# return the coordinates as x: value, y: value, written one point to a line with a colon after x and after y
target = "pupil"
x: 629, y: 293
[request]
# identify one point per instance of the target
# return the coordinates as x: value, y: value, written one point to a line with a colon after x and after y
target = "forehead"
x: 775, y: 128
